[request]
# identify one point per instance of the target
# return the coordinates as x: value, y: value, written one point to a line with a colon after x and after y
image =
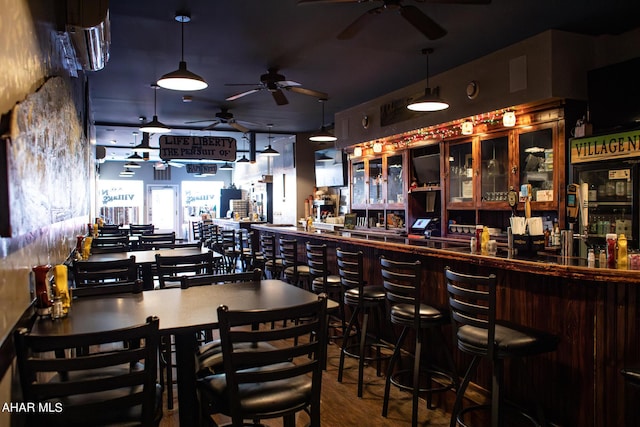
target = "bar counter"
x: 594, y: 311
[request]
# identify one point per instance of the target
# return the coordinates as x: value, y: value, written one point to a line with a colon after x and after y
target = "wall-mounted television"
x: 331, y: 168
x: 427, y: 169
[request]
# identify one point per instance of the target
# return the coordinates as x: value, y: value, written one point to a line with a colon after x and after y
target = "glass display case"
x: 376, y: 181
x: 494, y: 177
x: 461, y: 173
x: 396, y: 187
x: 536, y: 154
x: 358, y: 175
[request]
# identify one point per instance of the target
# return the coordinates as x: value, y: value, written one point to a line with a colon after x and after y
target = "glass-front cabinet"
x: 494, y: 168
x: 378, y: 189
x: 460, y: 174
x: 537, y: 156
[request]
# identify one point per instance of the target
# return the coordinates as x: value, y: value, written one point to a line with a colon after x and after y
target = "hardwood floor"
x: 342, y: 408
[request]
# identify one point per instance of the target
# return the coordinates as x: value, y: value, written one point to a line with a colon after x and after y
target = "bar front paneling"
x: 593, y: 311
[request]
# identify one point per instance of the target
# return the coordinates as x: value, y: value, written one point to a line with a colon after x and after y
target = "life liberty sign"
x: 174, y: 147
x: 606, y: 147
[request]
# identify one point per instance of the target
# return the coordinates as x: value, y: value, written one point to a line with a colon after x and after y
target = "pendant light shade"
x: 132, y: 165
x: 269, y: 152
x: 182, y: 79
x: 431, y: 100
x: 226, y: 166
x: 324, y: 158
x: 244, y: 158
x: 155, y: 126
x: 322, y: 135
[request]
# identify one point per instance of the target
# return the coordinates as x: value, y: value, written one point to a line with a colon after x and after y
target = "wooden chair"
x: 294, y: 272
x: 138, y: 229
x: 171, y: 268
x: 109, y: 244
x: 90, y: 274
x: 156, y: 241
x: 363, y: 300
x: 402, y: 282
x: 262, y: 384
x: 213, y: 279
x: 134, y: 287
x: 111, y: 230
x: 272, y: 263
x: 478, y: 333
x: 116, y: 387
x: 228, y: 247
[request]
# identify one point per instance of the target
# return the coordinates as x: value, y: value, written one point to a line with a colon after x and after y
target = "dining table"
x: 146, y: 259
x: 182, y: 313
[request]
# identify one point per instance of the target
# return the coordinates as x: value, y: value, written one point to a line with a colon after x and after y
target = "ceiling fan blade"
x: 279, y: 97
x: 457, y: 1
x: 355, y: 27
x: 422, y: 22
x: 237, y: 126
x: 309, y: 92
x: 197, y: 121
x: 287, y: 83
x: 212, y: 125
x: 241, y: 94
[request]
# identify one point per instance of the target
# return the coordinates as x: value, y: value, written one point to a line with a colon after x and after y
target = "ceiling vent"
x: 89, y: 30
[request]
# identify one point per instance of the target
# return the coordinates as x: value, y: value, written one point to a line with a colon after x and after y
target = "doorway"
x: 162, y: 208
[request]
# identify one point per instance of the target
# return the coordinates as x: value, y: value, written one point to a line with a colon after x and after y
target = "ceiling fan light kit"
x: 182, y: 79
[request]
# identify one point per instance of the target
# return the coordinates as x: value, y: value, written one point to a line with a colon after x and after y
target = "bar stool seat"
x: 472, y: 300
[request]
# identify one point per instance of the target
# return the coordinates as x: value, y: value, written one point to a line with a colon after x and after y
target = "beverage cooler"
x: 609, y: 166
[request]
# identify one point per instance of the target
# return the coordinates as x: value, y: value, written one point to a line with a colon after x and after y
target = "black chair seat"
x: 631, y: 376
x: 260, y: 398
x: 303, y: 270
x: 370, y: 294
x: 404, y: 315
x: 510, y: 340
x: 333, y: 285
x: 209, y: 358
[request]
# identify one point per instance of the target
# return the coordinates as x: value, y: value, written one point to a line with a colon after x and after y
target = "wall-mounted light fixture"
x: 467, y: 127
x: 509, y: 119
x: 357, y: 152
x: 377, y: 147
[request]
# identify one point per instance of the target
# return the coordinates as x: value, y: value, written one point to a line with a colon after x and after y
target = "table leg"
x: 188, y: 408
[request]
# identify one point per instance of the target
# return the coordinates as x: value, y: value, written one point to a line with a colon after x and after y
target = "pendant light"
x: 144, y: 146
x: 431, y: 100
x: 324, y: 158
x: 132, y: 165
x: 226, y: 166
x: 244, y: 158
x: 182, y: 79
x: 323, y: 135
x: 155, y: 126
x: 269, y: 152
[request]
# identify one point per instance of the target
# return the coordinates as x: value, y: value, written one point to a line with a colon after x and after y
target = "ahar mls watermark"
x: 33, y: 407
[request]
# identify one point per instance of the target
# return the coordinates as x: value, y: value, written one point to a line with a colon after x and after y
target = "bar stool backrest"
x: 472, y: 300
x: 401, y: 281
x: 317, y: 261
x: 289, y: 254
x: 268, y: 246
x: 350, y: 269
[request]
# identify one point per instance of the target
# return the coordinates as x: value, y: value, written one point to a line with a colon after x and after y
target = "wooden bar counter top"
x: 594, y: 312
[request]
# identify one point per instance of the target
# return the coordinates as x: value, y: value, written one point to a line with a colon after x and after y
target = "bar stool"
x: 401, y: 281
x: 272, y: 263
x: 363, y: 300
x: 324, y: 282
x: 472, y: 300
x: 294, y: 272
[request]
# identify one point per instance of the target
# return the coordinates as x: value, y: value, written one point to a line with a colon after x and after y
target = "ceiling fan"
x: 427, y: 26
x: 222, y: 117
x: 274, y: 83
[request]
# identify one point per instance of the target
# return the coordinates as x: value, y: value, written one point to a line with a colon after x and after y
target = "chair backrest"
x: 401, y: 281
x: 317, y: 262
x: 268, y: 246
x: 350, y: 269
x: 157, y: 241
x: 138, y: 229
x: 289, y: 253
x: 472, y: 301
x: 88, y: 274
x: 214, y: 279
x: 111, y: 230
x: 296, y: 358
x: 110, y: 244
x: 196, y: 230
x: 109, y: 386
x: 171, y: 268
x: 227, y: 241
x: 134, y: 287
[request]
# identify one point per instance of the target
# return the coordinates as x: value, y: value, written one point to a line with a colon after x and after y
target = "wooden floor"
x: 342, y: 408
